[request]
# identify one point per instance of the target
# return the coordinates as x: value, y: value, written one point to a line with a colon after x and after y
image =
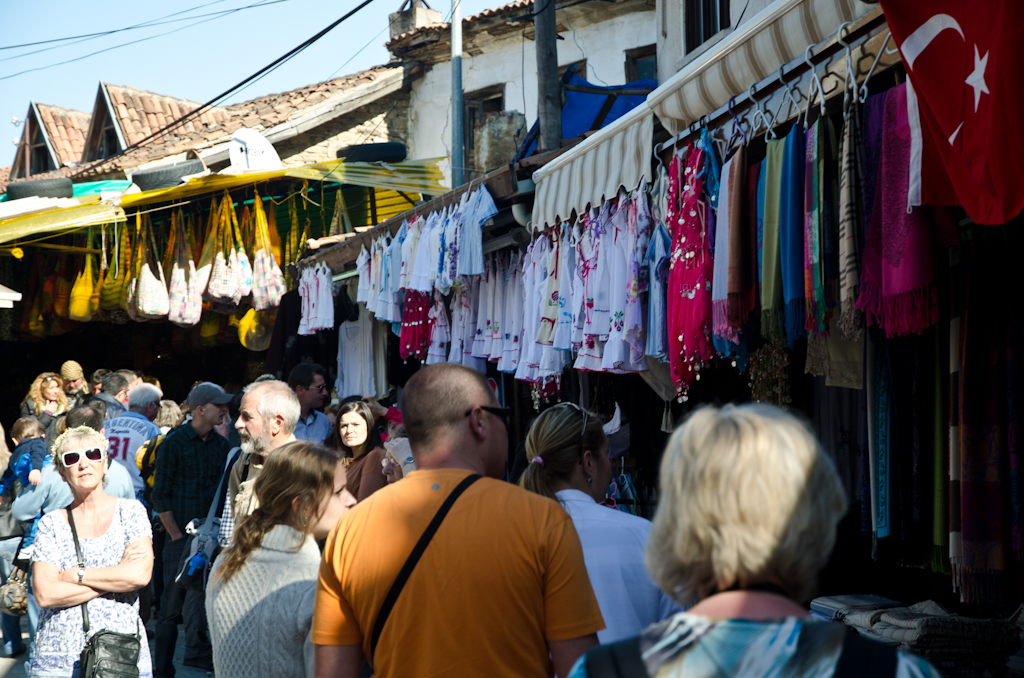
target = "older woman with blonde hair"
x: 46, y: 401
x: 747, y: 516
x: 115, y: 538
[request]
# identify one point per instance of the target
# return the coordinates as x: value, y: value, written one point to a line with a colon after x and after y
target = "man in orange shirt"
x: 500, y: 590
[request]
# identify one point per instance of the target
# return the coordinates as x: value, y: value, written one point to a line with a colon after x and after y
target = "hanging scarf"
x: 940, y: 463
x: 755, y: 230
x: 898, y: 279
x: 828, y: 199
x: 772, y: 302
x: 812, y: 232
x: 712, y: 178
x: 791, y: 234
x: 881, y: 435
x: 850, y: 319
x: 956, y: 544
x: 985, y: 487
x: 872, y: 119
x: 740, y: 298
x: 720, y: 281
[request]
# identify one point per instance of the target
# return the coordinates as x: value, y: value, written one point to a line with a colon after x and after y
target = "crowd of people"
x: 348, y: 538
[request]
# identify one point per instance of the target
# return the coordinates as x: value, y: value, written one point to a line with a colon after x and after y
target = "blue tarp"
x: 581, y: 109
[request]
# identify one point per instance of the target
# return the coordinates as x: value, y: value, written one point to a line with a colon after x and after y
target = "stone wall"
x: 386, y: 119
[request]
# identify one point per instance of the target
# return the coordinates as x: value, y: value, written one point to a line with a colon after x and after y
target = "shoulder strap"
x: 216, y: 506
x: 414, y: 557
x: 81, y: 565
x: 863, y: 657
x: 616, y: 660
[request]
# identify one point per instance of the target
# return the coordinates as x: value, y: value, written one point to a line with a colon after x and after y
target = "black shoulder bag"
x: 414, y: 557
x: 107, y: 654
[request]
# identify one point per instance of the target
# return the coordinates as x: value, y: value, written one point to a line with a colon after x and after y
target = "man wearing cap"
x: 74, y: 383
x: 187, y: 471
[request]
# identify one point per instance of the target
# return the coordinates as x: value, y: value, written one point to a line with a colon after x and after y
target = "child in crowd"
x: 30, y: 454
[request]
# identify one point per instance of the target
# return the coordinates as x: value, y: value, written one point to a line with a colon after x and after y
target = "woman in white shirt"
x: 259, y: 602
x: 569, y: 463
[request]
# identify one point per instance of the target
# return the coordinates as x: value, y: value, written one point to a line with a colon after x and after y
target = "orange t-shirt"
x: 502, y: 575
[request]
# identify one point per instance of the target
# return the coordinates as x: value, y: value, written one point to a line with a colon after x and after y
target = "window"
x: 642, y: 63
x: 581, y: 69
x: 704, y: 18
x: 39, y: 154
x: 476, y: 105
x: 106, y: 143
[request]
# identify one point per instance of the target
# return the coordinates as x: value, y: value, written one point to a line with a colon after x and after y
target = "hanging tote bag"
x: 151, y: 302
x: 80, y: 307
x: 62, y: 288
x: 186, y: 304
x: 205, y: 265
x: 268, y: 285
x: 129, y: 291
x: 223, y: 287
x: 243, y: 266
x: 110, y: 295
x: 97, y: 290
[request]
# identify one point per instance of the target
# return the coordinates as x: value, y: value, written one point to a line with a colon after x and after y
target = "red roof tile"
x: 66, y: 130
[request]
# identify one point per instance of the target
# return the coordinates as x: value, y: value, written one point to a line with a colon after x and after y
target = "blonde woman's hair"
x: 558, y: 440
x: 747, y: 497
x: 35, y: 392
x: 169, y: 414
x: 75, y: 437
x: 298, y: 470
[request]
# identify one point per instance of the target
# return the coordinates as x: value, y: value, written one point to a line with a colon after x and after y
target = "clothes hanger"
x: 884, y: 49
x: 788, y: 98
x: 815, y: 82
x: 769, y: 123
x: 737, y: 124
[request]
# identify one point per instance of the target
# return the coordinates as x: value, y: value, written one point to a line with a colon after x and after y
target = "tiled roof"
x: 66, y: 130
x: 140, y: 113
x: 512, y: 8
x: 214, y: 125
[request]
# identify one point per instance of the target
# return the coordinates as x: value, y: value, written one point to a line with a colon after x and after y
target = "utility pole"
x: 458, y: 151
x: 549, y: 99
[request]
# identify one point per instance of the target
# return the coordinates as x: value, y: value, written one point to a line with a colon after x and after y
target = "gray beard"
x: 259, y: 445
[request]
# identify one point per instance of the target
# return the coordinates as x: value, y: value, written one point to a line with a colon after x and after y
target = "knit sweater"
x: 260, y: 618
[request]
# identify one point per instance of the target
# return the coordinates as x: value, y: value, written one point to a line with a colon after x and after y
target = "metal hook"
x: 787, y: 98
x: 850, y: 84
x: 769, y: 122
x: 737, y: 124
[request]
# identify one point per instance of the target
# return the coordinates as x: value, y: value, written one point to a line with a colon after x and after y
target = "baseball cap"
x: 205, y: 393
x: 71, y: 370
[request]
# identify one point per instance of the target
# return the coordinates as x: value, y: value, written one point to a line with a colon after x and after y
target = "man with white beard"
x: 266, y: 421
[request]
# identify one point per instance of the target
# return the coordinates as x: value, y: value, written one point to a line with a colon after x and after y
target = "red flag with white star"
x: 965, y: 61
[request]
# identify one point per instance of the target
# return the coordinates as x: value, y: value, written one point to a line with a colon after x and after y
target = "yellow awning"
x: 412, y: 177
x: 409, y: 176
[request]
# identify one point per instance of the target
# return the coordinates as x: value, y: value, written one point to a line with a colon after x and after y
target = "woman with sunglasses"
x: 116, y: 541
x: 569, y: 463
x: 357, y: 439
x: 46, y: 401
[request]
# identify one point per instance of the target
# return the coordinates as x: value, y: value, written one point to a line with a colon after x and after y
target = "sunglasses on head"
x: 72, y: 458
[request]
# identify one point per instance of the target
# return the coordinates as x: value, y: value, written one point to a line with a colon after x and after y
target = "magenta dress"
x: 691, y: 266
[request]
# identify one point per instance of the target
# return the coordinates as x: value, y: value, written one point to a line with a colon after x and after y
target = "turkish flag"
x: 965, y: 60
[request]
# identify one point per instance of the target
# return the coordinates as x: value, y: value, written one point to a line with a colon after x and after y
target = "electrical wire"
x: 266, y: 70
x: 115, y: 30
x: 155, y: 22
x: 262, y: 3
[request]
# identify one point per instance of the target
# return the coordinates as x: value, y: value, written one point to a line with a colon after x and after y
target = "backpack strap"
x: 863, y: 657
x: 616, y: 660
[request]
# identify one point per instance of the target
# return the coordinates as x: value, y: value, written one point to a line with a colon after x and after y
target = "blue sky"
x: 196, y: 62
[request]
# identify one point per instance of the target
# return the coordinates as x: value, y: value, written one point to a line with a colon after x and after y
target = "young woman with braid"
x: 259, y: 602
x: 568, y: 454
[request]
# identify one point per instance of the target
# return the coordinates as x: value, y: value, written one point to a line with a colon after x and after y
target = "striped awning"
x: 775, y: 36
x: 617, y: 156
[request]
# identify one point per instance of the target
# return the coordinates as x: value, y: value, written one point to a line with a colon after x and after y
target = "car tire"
x: 168, y: 176
x: 41, y: 188
x: 388, y: 151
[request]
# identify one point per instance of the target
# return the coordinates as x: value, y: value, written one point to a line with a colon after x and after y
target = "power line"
x: 225, y: 94
x: 78, y: 39
x: 262, y: 3
x: 114, y: 30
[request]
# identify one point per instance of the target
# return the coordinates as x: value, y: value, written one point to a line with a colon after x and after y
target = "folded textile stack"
x: 833, y: 608
x: 955, y: 645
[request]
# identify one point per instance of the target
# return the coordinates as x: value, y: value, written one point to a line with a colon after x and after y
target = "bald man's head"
x: 436, y: 398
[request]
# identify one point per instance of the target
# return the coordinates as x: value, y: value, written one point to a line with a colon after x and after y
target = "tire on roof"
x: 167, y: 176
x: 388, y: 151
x: 41, y: 188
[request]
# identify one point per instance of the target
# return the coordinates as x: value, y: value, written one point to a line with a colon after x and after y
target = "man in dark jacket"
x: 74, y: 383
x: 114, y: 394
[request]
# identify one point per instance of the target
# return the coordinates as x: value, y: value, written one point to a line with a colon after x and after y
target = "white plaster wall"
x: 672, y: 54
x: 513, y: 61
